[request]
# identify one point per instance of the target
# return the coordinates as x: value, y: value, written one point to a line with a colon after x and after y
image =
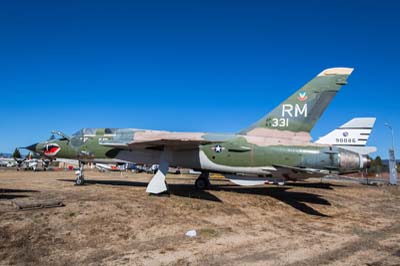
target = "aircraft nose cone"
x: 32, y: 147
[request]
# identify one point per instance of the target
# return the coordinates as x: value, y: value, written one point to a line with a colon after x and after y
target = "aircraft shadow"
x: 109, y: 182
x: 297, y: 200
x: 7, y: 190
x: 12, y: 196
x: 9, y: 194
x: 319, y: 185
x: 180, y: 190
x: 189, y: 191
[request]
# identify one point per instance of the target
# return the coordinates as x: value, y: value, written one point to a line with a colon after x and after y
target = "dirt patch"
x: 112, y: 221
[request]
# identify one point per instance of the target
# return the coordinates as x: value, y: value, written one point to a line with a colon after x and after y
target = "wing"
x: 176, y: 144
x: 152, y: 139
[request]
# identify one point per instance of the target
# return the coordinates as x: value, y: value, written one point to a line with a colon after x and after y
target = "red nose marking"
x: 53, y: 150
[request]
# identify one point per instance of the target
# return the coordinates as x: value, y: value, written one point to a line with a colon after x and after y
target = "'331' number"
x: 280, y: 122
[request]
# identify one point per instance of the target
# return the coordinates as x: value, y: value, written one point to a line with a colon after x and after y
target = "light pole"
x: 391, y: 130
x: 392, y: 160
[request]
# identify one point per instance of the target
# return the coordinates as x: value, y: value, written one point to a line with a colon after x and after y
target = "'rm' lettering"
x: 290, y: 111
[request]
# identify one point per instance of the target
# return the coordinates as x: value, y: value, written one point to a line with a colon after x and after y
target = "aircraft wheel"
x: 201, y: 183
x: 281, y: 183
x: 80, y: 181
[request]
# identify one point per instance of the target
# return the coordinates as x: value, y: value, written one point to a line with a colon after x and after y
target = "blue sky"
x: 190, y: 65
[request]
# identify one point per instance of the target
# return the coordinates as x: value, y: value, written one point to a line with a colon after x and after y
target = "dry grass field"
x: 112, y: 221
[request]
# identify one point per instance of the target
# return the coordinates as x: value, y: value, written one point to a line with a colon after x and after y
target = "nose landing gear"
x: 80, y: 178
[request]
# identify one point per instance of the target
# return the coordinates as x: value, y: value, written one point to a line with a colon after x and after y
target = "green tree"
x: 376, y: 165
x: 378, y: 161
x: 16, y: 154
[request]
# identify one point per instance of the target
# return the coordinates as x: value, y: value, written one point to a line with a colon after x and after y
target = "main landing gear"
x: 80, y: 178
x: 203, y: 181
x: 45, y: 164
x: 157, y: 185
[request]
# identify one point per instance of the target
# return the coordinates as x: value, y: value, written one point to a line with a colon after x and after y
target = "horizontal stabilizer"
x: 360, y: 150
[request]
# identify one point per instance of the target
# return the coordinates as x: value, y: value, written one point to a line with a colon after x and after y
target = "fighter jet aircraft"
x: 278, y: 145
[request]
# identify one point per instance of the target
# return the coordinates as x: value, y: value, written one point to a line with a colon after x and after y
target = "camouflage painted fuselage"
x: 271, y: 154
x: 238, y: 154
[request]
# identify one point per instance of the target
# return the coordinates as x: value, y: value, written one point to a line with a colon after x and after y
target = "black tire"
x: 201, y: 183
x: 79, y: 181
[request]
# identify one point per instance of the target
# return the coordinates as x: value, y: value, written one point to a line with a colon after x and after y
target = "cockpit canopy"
x: 86, y: 132
x: 82, y: 136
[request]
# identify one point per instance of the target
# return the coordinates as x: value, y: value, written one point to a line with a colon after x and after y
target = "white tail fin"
x: 353, y: 135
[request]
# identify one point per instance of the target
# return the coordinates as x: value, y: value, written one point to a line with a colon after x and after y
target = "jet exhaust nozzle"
x: 366, y: 161
x: 353, y: 161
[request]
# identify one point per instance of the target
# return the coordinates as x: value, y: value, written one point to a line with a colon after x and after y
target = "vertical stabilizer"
x: 301, y: 111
